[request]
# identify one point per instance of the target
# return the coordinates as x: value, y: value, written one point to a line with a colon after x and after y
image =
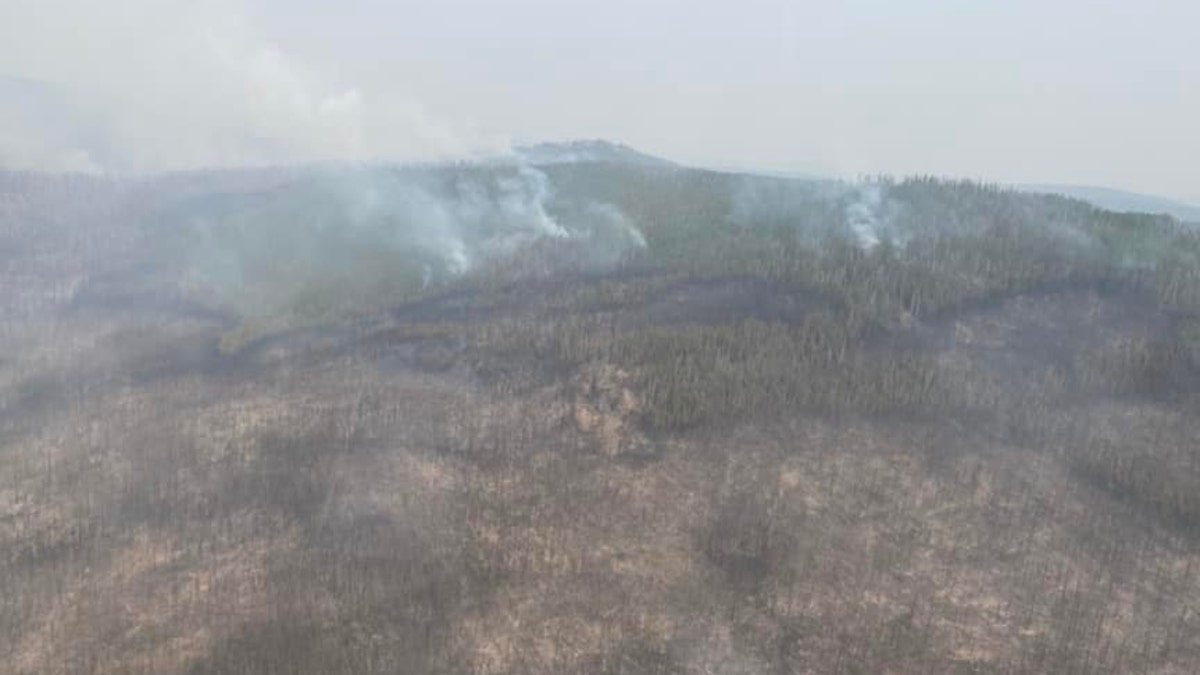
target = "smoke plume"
x: 816, y: 210
x: 150, y: 85
x: 354, y: 230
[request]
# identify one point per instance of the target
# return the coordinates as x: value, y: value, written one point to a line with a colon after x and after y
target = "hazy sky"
x: 1065, y: 91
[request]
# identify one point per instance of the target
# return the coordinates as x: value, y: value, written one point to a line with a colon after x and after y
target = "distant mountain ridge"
x: 1121, y: 200
x: 571, y: 152
x: 598, y: 150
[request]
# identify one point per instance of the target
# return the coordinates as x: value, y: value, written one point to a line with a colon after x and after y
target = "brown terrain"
x: 634, y: 473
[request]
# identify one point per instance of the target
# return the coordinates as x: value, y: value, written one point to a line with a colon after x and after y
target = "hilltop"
x: 604, y: 415
x: 1123, y: 200
x: 572, y: 152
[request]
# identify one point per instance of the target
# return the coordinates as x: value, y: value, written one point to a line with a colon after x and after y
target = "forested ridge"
x: 593, y: 417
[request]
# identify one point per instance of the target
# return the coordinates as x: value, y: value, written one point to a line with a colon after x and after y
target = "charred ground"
x: 752, y: 446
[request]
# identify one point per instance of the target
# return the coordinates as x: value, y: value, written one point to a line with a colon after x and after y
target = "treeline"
x: 828, y: 475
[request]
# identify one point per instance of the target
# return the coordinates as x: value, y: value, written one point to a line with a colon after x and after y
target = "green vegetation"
x: 913, y: 426
x: 966, y: 246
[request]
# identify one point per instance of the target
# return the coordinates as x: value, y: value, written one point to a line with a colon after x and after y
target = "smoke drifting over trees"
x: 298, y: 376
x: 592, y: 416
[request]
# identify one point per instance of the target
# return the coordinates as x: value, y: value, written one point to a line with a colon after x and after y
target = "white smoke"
x: 417, y: 227
x: 142, y: 86
x: 600, y: 236
x: 479, y: 217
x: 814, y: 211
x: 524, y: 198
x: 869, y: 216
x: 488, y: 213
x: 149, y: 85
